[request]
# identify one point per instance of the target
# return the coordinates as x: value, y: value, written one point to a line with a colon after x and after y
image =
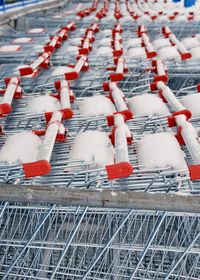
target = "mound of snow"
x: 169, y: 53
x: 20, y: 148
x: 93, y: 147
x: 161, y: 43
x: 190, y: 42
x: 106, y: 32
x: 161, y: 150
x: 96, y: 105
x: 134, y: 42
x: 191, y: 102
x: 36, y: 30
x: 61, y: 70
x: 72, y: 50
x: 104, y: 52
x: 22, y: 40
x: 75, y: 41
x: 10, y: 48
x: 42, y: 104
x: 195, y: 53
x: 148, y: 105
x: 136, y: 52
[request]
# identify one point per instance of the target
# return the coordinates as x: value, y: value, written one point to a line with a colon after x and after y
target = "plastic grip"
x: 37, y: 168
x: 119, y: 170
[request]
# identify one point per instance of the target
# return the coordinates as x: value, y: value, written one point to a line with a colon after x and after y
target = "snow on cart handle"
x: 190, y: 137
x: 80, y: 65
x: 42, y: 164
x: 121, y: 136
x: 29, y: 70
x: 170, y: 97
x: 12, y: 85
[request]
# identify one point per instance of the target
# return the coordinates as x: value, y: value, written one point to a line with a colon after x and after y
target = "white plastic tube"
x: 50, y: 136
x: 190, y: 137
x: 121, y: 134
x: 10, y: 91
x: 64, y: 95
x: 170, y: 97
x: 117, y: 96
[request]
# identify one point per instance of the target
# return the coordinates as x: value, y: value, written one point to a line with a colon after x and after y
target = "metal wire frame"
x: 66, y: 172
x: 57, y: 242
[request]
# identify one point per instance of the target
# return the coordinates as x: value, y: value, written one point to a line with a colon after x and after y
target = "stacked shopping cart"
x: 101, y: 95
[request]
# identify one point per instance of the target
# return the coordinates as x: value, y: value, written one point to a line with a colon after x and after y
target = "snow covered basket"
x: 161, y: 150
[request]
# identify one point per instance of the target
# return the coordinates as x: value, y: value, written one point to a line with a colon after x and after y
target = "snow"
x: 20, y: 148
x: 169, y: 53
x: 96, y: 105
x: 195, y: 53
x: 36, y: 30
x: 148, y: 105
x: 190, y: 42
x: 93, y: 147
x: 106, y: 32
x: 61, y: 70
x: 75, y: 41
x: 22, y: 40
x: 10, y: 48
x: 104, y: 51
x: 136, y: 52
x: 131, y: 43
x: 191, y: 102
x: 160, y: 43
x: 42, y: 104
x: 160, y: 150
x: 73, y: 50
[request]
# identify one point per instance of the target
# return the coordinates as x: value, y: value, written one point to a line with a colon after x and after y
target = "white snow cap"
x: 136, y: 52
x: 161, y: 43
x: 190, y: 42
x: 161, y: 150
x: 61, y: 70
x: 148, y: 105
x: 10, y: 48
x: 93, y: 147
x: 192, y: 103
x: 72, y: 50
x: 195, y: 53
x: 42, y: 104
x: 36, y: 30
x: 104, y: 52
x: 96, y: 105
x: 134, y: 42
x: 169, y: 53
x: 20, y: 148
x: 22, y: 40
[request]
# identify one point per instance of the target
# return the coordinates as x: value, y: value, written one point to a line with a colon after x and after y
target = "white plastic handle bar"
x: 90, y: 35
x: 62, y: 34
x: 54, y: 41
x: 42, y: 165
x: 64, y: 95
x: 160, y: 67
x: 119, y: 73
x: 117, y: 45
x: 117, y: 96
x: 73, y: 75
x: 170, y: 97
x: 121, y: 134
x: 50, y: 137
x: 29, y: 70
x: 6, y: 101
x: 39, y: 60
x: 190, y: 137
x: 86, y: 43
x: 179, y: 45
